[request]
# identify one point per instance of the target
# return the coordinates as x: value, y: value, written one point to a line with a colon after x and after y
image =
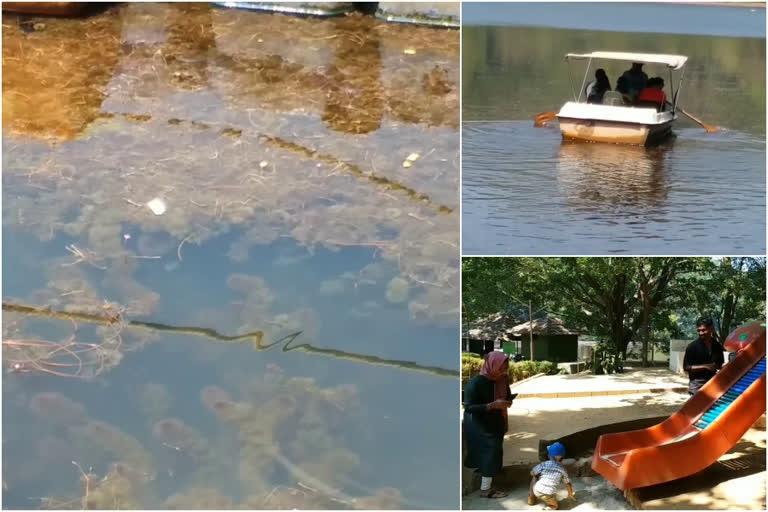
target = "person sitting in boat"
x: 653, y: 95
x: 632, y: 81
x: 597, y: 87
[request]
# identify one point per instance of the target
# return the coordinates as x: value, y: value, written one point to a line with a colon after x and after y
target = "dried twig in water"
x: 178, y: 251
x: 86, y: 483
x: 134, y: 203
x: 80, y: 256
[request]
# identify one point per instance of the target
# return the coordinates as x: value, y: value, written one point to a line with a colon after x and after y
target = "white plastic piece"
x: 157, y: 206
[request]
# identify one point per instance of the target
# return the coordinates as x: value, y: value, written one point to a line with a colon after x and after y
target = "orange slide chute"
x: 706, y: 427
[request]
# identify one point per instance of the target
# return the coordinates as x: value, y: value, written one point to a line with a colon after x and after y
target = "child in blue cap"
x: 547, y: 477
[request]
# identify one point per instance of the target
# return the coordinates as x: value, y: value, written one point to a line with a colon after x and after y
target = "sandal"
x: 493, y: 494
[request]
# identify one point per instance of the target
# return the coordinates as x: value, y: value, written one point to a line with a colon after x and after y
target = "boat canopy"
x: 672, y: 61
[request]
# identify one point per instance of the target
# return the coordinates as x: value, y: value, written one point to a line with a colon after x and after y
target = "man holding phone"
x: 703, y: 357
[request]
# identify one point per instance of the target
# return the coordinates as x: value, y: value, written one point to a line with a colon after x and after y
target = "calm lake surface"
x: 527, y: 192
x: 280, y: 331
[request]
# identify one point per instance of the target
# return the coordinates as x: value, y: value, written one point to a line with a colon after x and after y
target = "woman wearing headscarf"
x: 486, y: 399
x: 597, y: 87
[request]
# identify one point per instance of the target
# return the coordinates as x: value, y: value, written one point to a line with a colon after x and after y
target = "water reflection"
x: 355, y: 100
x: 275, y: 145
x: 517, y: 72
x: 200, y: 47
x: 595, y: 176
x: 35, y: 63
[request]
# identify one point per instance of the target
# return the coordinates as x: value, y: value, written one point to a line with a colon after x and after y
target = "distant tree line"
x: 619, y: 300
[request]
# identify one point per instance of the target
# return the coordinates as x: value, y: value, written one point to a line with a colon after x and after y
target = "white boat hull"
x: 615, y: 124
x: 595, y: 130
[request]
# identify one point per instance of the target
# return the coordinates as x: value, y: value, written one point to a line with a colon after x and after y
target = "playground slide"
x: 707, y: 426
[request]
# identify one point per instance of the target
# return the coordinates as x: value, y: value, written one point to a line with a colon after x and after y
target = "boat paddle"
x: 710, y: 128
x: 543, y: 118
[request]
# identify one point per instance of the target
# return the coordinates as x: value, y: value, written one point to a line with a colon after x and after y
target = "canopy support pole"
x: 570, y: 79
x: 584, y: 82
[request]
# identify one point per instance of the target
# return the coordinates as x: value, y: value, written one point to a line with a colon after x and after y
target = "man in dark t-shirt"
x: 703, y: 357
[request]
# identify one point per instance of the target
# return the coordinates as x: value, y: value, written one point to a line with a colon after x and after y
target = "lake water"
x: 527, y: 192
x: 674, y: 18
x: 274, y: 147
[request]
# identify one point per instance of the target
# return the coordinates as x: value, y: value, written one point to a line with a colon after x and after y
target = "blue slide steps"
x: 732, y: 394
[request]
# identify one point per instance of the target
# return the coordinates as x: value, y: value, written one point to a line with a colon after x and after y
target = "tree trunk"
x: 729, y: 311
x: 530, y: 324
x: 618, y: 312
x: 646, y: 313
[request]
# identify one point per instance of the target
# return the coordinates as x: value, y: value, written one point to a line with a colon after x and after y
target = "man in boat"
x: 632, y: 81
x: 597, y: 87
x: 653, y: 95
x: 703, y: 357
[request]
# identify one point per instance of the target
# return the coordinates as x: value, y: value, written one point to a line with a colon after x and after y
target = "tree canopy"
x: 619, y: 299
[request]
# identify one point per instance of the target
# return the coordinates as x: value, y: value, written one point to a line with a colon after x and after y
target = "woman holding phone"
x: 486, y: 399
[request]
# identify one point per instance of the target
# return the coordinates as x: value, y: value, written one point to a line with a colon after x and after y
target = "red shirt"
x: 652, y: 94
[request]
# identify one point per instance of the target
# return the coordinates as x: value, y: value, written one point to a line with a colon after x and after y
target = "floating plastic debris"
x: 157, y: 206
x: 410, y: 159
x: 263, y: 164
x: 410, y: 51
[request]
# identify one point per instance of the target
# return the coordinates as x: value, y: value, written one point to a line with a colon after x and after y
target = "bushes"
x: 606, y: 361
x: 522, y: 370
x: 471, y: 364
x: 546, y: 367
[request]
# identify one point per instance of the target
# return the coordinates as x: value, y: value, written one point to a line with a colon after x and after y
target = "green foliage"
x: 730, y: 290
x: 546, y: 367
x: 526, y: 369
x: 612, y: 297
x: 470, y: 357
x: 471, y: 364
x: 522, y: 370
x: 606, y: 360
x: 491, y: 285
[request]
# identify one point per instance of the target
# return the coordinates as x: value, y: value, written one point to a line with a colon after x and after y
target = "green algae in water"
x: 180, y: 109
x: 397, y: 290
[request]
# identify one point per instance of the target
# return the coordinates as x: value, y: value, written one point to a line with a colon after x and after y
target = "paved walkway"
x: 633, y: 380
x: 531, y: 419
x: 735, y: 482
x: 606, y: 399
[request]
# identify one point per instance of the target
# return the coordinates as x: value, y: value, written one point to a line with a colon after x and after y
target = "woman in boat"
x: 486, y: 399
x: 597, y: 87
x: 653, y: 95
